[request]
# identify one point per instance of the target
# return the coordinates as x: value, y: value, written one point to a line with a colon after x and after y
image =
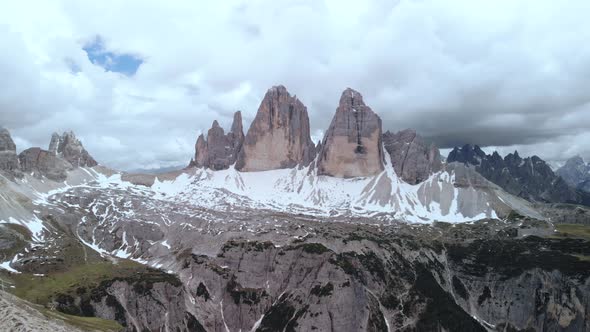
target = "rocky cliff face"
x: 352, y: 146
x: 8, y: 158
x: 17, y: 315
x: 44, y: 163
x: 530, y: 178
x: 219, y: 150
x: 576, y: 173
x: 279, y: 136
x: 147, y: 301
x: 68, y: 147
x: 413, y: 160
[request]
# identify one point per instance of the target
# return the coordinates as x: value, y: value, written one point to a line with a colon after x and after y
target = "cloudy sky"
x: 139, y: 80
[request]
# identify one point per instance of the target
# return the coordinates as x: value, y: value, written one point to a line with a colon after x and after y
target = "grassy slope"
x: 84, y: 323
x: 572, y: 231
x: 41, y: 289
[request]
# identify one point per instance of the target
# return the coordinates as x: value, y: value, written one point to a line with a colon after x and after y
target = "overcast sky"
x: 139, y: 80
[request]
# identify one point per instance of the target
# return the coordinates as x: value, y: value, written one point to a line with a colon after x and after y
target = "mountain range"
x: 576, y: 173
x: 368, y: 230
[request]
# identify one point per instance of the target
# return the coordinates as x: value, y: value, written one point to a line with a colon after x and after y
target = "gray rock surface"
x: 262, y: 270
x: 148, y: 301
x: 54, y: 143
x: 201, y: 152
x: 530, y: 178
x: 219, y: 150
x: 413, y: 159
x: 68, y: 147
x: 352, y: 145
x: 576, y: 173
x: 279, y: 137
x: 17, y: 315
x: 8, y: 158
x: 44, y: 163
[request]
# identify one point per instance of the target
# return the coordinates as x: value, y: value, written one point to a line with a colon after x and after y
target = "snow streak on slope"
x: 303, y: 191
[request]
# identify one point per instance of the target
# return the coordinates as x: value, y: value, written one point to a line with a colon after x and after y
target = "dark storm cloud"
x: 503, y: 74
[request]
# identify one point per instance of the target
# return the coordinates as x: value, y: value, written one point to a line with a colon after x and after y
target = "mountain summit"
x: 8, y: 157
x: 576, y: 173
x: 530, y: 178
x: 352, y: 145
x: 70, y: 148
x: 279, y: 137
x: 219, y: 150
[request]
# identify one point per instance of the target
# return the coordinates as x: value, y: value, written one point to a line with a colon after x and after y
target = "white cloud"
x: 496, y: 73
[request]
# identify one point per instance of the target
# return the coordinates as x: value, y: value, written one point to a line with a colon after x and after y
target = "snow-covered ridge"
x: 303, y: 191
x: 295, y: 191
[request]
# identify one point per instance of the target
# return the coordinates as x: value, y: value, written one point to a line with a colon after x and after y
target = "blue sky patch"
x: 126, y: 64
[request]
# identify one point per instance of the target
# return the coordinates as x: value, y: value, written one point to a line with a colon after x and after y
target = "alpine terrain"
x: 265, y: 230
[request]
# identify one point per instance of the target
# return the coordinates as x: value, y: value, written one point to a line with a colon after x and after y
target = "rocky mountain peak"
x: 6, y: 142
x: 496, y: 155
x: 279, y: 136
x: 54, y: 143
x: 8, y: 158
x: 575, y: 161
x: 412, y: 158
x: 236, y: 126
x: 468, y: 154
x: 69, y: 147
x: 351, y: 99
x: 352, y: 145
x: 576, y: 173
x: 219, y: 150
x: 41, y: 162
x: 530, y: 178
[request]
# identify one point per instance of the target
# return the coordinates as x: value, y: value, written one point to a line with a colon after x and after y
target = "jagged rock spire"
x: 279, y: 136
x: 219, y: 150
x: 68, y: 147
x: 413, y: 159
x: 8, y: 158
x: 352, y: 145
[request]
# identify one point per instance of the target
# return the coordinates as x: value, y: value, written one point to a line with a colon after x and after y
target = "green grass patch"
x: 572, y: 231
x: 583, y: 258
x: 84, y: 323
x: 41, y: 289
x: 310, y: 248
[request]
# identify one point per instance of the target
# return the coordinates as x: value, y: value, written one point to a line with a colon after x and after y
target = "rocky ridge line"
x: 413, y: 159
x: 530, y: 178
x: 219, y: 150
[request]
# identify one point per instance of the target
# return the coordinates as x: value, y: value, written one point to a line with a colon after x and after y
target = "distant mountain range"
x: 576, y: 173
x: 157, y: 170
x: 530, y: 178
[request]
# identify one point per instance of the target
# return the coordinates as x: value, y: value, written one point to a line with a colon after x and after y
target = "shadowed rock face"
x: 67, y: 146
x: 413, y: 160
x: 352, y: 145
x: 576, y: 173
x: 201, y: 152
x: 219, y: 150
x: 8, y: 157
x: 530, y: 178
x: 279, y: 136
x: 44, y: 163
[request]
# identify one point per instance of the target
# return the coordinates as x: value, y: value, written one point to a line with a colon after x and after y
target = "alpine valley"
x: 265, y: 230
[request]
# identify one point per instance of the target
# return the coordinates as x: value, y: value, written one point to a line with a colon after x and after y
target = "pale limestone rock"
x: 352, y: 145
x: 279, y: 136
